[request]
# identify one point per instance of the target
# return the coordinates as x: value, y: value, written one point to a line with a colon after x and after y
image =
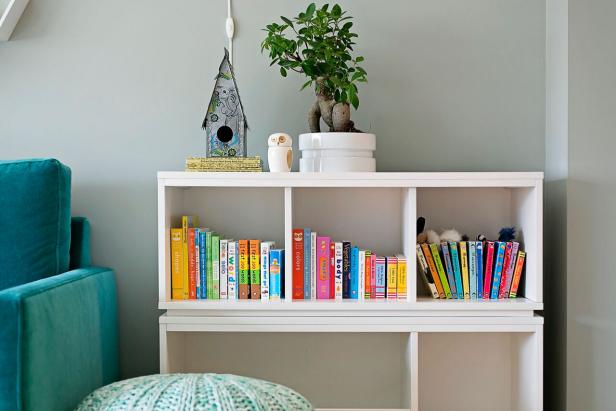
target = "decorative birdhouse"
x: 225, y: 123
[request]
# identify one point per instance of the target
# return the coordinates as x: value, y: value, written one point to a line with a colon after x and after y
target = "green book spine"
x: 440, y: 269
x: 215, y: 266
x: 208, y: 263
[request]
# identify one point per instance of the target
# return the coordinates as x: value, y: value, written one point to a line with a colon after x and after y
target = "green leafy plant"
x: 318, y: 44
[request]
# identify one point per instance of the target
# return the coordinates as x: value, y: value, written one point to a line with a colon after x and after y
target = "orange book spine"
x: 517, y: 274
x: 192, y: 265
x: 244, y: 270
x: 437, y: 282
x: 255, y: 269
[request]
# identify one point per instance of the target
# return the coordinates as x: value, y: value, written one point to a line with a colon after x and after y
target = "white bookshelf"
x: 376, y: 354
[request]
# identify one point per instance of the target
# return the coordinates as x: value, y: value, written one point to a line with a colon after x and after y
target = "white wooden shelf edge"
x: 358, y: 307
x: 377, y: 179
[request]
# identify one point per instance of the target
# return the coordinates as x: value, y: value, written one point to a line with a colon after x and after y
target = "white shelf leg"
x: 164, y: 349
x: 409, y: 377
x: 527, y: 370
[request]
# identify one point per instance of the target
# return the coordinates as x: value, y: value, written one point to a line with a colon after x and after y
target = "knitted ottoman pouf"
x: 194, y: 392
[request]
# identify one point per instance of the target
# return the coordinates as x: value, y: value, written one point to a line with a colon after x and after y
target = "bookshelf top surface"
x: 377, y: 179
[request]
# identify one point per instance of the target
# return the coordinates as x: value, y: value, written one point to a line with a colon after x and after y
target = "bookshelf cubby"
x: 420, y: 342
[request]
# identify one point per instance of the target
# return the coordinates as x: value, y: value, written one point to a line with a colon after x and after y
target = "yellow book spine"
x: 255, y: 269
x: 464, y: 264
x: 392, y: 278
x: 187, y: 222
x: 177, y: 279
x: 401, y: 292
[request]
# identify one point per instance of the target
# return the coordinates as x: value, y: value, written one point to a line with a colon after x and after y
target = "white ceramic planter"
x: 337, y: 152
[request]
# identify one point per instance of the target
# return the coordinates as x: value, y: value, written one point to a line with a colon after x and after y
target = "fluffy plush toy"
x: 432, y: 236
x: 506, y: 234
x: 451, y: 235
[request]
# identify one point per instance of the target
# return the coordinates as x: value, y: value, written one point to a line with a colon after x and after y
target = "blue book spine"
x: 202, y: 266
x: 346, y: 269
x: 472, y: 268
x: 354, y: 272
x: 455, y: 261
x: 479, y: 269
x: 498, y: 270
x: 449, y: 267
x: 307, y: 260
x: 276, y: 259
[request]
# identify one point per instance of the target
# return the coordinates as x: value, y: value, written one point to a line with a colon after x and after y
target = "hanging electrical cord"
x: 230, y: 28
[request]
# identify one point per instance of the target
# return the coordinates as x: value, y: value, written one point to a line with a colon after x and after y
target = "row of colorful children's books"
x: 326, y: 269
x: 207, y: 266
x: 471, y: 269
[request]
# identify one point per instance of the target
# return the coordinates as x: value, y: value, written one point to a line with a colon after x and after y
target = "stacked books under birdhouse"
x: 221, y: 164
x: 207, y: 266
x: 326, y: 269
x: 471, y: 269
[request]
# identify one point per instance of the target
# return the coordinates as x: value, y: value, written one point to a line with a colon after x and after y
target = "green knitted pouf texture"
x: 194, y: 392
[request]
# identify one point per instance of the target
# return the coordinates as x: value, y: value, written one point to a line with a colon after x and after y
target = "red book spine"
x: 506, y: 261
x: 332, y: 269
x: 298, y: 264
x: 192, y: 265
x: 372, y: 276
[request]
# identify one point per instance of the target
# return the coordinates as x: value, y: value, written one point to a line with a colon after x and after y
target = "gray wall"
x: 117, y: 90
x: 591, y: 208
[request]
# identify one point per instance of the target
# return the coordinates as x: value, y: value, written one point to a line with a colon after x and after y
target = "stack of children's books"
x: 207, y: 266
x: 325, y: 269
x: 214, y: 164
x: 471, y: 269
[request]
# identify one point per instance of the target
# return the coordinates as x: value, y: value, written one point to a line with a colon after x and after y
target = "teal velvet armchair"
x: 58, y: 314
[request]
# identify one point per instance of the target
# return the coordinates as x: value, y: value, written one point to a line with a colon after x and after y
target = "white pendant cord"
x: 230, y: 28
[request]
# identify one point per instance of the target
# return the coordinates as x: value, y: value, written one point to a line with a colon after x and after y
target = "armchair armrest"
x: 58, y: 340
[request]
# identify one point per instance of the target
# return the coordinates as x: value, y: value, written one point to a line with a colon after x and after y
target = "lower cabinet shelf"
x: 364, y: 363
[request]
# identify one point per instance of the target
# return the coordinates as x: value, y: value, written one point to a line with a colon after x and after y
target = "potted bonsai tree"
x: 318, y: 44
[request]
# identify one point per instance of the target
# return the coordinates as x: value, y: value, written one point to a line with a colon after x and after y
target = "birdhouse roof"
x: 224, y: 71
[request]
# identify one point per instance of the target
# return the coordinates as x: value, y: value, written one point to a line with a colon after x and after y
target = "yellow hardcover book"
x: 177, y: 279
x: 401, y: 293
x: 392, y: 278
x: 188, y: 221
x: 464, y: 264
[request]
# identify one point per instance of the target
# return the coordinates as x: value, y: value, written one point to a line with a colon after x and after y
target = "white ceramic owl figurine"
x: 280, y: 152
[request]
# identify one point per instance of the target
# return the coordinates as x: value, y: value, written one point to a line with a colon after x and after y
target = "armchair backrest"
x: 35, y: 220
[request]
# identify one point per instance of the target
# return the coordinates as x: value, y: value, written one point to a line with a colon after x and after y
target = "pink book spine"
x: 373, y: 276
x: 505, y: 274
x: 487, y: 281
x: 323, y: 268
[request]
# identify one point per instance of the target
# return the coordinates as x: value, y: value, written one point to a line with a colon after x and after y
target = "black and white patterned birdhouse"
x: 225, y: 123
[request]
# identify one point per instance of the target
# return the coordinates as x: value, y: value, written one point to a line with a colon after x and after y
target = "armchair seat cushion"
x: 35, y: 220
x: 192, y: 392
